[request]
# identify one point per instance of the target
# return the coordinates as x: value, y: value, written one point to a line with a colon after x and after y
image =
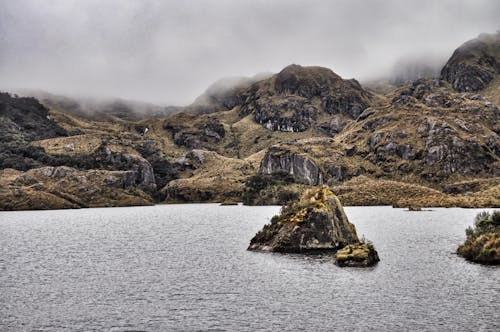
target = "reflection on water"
x: 185, y: 267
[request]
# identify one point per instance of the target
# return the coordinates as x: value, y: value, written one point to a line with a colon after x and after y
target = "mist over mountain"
x: 100, y: 109
x: 168, y: 52
x: 410, y: 68
x: 379, y: 97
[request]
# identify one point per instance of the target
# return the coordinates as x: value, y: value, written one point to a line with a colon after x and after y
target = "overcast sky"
x: 168, y: 52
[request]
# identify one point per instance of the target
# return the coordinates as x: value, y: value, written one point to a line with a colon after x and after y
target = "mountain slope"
x: 475, y: 65
x: 263, y: 140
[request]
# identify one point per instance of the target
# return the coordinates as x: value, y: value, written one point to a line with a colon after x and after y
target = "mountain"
x: 475, y: 67
x: 223, y: 95
x: 262, y: 140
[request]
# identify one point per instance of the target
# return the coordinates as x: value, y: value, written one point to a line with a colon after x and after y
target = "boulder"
x: 357, y: 255
x: 316, y: 222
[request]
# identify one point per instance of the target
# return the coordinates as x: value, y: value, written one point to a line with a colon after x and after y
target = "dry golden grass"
x: 218, y: 179
x: 492, y: 91
x: 366, y: 191
x: 72, y: 145
x: 38, y: 189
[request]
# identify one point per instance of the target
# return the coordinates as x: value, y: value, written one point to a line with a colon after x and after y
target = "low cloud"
x: 169, y: 52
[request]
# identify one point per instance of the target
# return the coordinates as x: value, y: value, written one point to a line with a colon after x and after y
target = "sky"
x: 169, y: 52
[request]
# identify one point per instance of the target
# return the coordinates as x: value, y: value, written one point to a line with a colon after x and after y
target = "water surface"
x: 185, y: 268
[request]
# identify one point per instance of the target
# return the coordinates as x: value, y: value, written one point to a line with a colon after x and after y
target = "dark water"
x: 185, y: 268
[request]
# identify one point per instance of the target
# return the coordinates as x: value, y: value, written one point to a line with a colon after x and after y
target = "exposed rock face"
x: 434, y: 129
x: 212, y: 178
x: 194, y: 132
x: 142, y: 170
x: 338, y: 96
x: 315, y: 223
x: 164, y: 170
x: 291, y: 114
x: 474, y: 64
x: 299, y: 166
x: 357, y: 255
x: 194, y: 158
x: 293, y: 99
x: 334, y: 126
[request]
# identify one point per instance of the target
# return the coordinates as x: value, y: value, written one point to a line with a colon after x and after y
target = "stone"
x: 316, y: 222
x: 357, y: 255
x: 350, y: 150
x: 335, y: 126
x: 366, y: 113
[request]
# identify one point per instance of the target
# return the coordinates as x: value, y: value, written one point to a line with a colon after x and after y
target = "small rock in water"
x: 357, y: 255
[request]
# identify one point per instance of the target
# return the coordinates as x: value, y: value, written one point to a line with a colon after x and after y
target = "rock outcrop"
x: 66, y: 187
x: 211, y: 178
x: 141, y: 170
x: 302, y: 168
x: 474, y: 64
x: 433, y: 129
x: 194, y: 132
x: 266, y: 139
x: 317, y: 222
x: 294, y: 99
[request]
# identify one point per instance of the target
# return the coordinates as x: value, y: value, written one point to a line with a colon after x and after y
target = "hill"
x: 262, y: 140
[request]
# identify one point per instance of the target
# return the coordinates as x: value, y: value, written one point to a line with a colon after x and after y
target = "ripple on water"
x: 185, y: 267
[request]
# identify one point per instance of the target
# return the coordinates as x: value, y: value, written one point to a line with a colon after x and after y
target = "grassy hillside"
x: 263, y: 141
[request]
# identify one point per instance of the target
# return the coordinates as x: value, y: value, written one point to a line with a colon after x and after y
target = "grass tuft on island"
x: 483, y: 240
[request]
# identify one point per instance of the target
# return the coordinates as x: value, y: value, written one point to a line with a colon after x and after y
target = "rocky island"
x: 315, y: 223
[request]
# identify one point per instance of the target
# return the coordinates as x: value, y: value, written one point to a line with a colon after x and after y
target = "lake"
x: 186, y: 268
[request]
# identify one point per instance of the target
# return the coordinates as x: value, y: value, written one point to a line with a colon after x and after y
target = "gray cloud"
x: 170, y: 51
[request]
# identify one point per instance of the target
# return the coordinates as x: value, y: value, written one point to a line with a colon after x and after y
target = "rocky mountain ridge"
x: 267, y: 138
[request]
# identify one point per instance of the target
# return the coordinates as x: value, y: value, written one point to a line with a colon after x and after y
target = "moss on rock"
x: 315, y: 222
x: 357, y: 255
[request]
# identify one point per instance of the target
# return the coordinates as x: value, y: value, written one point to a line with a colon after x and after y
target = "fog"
x: 169, y: 52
